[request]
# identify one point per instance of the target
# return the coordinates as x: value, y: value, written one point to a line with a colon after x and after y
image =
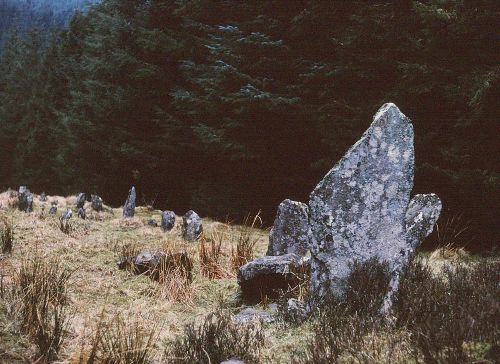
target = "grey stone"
x: 358, y: 211
x: 271, y: 274
x: 167, y: 220
x: 152, y: 222
x: 152, y: 262
x: 25, y: 198
x: 97, y: 204
x: 192, y: 226
x: 80, y: 200
x: 53, y: 209
x: 296, y: 311
x: 233, y: 361
x: 421, y: 216
x: 42, y: 197
x: 68, y: 214
x: 250, y: 313
x: 129, y: 206
x: 82, y: 213
x: 290, y: 232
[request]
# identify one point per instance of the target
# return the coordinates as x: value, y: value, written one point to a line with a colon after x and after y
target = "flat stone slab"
x: 270, y: 274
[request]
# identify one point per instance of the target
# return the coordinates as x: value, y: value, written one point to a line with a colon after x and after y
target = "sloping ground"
x: 98, y: 290
x: 91, y: 252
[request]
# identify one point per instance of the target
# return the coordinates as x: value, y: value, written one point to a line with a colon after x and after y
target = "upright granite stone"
x: 82, y: 214
x: 53, y: 209
x: 80, y: 200
x: 97, y: 204
x: 25, y: 198
x: 421, y: 215
x: 358, y: 211
x: 129, y: 206
x: 167, y: 220
x: 191, y: 226
x: 290, y: 232
x: 68, y: 214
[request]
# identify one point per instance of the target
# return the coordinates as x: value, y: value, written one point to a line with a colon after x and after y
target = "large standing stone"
x: 290, y: 232
x: 167, y: 220
x: 80, y: 200
x: 421, y: 215
x: 357, y: 212
x: 97, y: 203
x: 191, y: 226
x: 129, y: 206
x: 25, y: 198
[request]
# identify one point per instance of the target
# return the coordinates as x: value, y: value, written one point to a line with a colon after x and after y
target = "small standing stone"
x: 96, y: 203
x: 81, y: 213
x: 80, y: 200
x: 42, y: 197
x: 67, y: 214
x: 129, y: 206
x: 152, y: 222
x: 25, y: 199
x: 191, y: 226
x: 290, y: 232
x: 167, y: 220
x: 53, y: 209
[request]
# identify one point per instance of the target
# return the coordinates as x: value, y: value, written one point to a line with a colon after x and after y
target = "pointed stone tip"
x: 391, y: 109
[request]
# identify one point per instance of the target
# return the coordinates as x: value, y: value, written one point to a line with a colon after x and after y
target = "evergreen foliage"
x: 228, y: 107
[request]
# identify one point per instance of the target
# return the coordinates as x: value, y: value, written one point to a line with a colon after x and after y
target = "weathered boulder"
x: 97, y: 204
x: 42, y: 197
x: 25, y: 198
x: 82, y: 214
x: 80, y: 200
x: 192, y: 226
x: 68, y: 214
x: 271, y: 274
x: 290, y: 232
x: 129, y: 206
x: 358, y: 211
x: 167, y: 220
x: 421, y: 215
x: 153, y: 263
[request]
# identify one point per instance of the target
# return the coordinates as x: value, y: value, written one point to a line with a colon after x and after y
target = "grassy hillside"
x: 100, y: 298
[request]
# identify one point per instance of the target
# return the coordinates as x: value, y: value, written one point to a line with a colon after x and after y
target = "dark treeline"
x: 229, y: 107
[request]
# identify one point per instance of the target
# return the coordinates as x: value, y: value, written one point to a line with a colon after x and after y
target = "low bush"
x: 7, y: 236
x: 40, y: 289
x: 449, y: 312
x: 120, y: 342
x: 216, y: 339
x: 449, y: 316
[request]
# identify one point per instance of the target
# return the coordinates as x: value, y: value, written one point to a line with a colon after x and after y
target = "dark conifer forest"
x: 229, y: 107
